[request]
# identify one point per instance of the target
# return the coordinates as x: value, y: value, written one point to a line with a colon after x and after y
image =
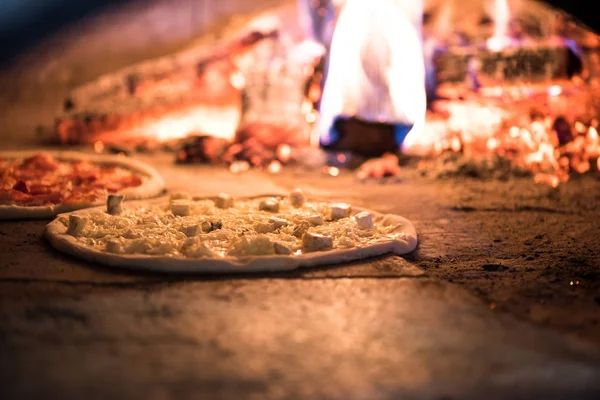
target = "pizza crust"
x: 55, y: 233
x: 152, y: 186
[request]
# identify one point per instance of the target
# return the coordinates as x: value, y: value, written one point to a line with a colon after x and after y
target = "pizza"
x: 223, y: 234
x: 44, y: 184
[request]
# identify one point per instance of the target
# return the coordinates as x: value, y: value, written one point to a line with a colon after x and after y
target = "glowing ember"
x: 333, y: 171
x: 274, y: 167
x: 98, y: 147
x: 492, y: 144
x: 554, y: 90
x: 237, y: 80
x: 284, y: 153
x: 237, y: 167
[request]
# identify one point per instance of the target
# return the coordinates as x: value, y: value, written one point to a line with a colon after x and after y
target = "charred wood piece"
x: 524, y: 64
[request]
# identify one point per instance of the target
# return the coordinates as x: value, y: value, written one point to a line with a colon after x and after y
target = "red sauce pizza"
x: 44, y: 184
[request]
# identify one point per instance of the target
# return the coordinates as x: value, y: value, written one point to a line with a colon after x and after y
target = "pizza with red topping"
x: 44, y: 184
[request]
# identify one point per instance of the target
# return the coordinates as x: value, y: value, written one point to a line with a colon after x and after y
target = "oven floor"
x: 484, y: 308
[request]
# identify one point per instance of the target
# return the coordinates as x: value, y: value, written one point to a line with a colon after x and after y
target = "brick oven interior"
x: 501, y: 299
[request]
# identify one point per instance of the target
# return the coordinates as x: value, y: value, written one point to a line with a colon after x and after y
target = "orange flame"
x: 376, y: 69
x: 500, y: 38
x: 220, y: 122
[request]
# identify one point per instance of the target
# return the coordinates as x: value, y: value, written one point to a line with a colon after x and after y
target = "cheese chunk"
x: 114, y: 246
x: 281, y: 249
x: 316, y: 242
x: 297, y: 198
x: 364, y: 220
x: 252, y: 246
x: 113, y: 204
x: 76, y: 225
x: 270, y: 205
x: 315, y: 219
x: 191, y: 230
x: 340, y: 210
x: 300, y: 229
x: 224, y: 201
x: 194, y: 247
x: 180, y: 208
x: 278, y: 222
x: 181, y: 196
x: 209, y: 226
x: 267, y: 227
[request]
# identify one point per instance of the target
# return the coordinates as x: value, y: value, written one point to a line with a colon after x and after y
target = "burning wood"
x: 252, y: 102
x: 376, y: 67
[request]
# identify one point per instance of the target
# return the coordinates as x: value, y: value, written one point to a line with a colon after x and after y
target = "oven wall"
x: 33, y: 85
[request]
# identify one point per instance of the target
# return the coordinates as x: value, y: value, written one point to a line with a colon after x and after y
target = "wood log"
x: 519, y: 64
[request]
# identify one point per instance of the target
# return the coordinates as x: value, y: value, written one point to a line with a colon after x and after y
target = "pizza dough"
x: 151, y: 186
x: 182, y: 234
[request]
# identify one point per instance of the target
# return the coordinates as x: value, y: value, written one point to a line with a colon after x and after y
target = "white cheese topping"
x: 340, y: 210
x: 315, y: 219
x: 297, y: 198
x: 278, y: 222
x: 76, y: 225
x: 224, y: 201
x: 364, y: 220
x: 113, y: 204
x: 316, y: 242
x: 197, y: 228
x: 181, y: 208
x: 271, y: 205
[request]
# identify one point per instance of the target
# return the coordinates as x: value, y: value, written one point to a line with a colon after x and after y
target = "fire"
x: 500, y: 39
x: 534, y: 145
x: 376, y: 67
x: 220, y: 122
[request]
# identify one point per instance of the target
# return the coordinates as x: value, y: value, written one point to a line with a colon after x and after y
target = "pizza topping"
x: 252, y: 246
x: 76, y: 225
x: 192, y: 230
x: 270, y: 205
x: 300, y: 229
x: 281, y: 249
x: 297, y: 198
x: 224, y: 201
x: 114, y: 246
x: 278, y: 222
x: 21, y: 186
x: 210, y: 226
x: 315, y: 219
x: 340, y: 210
x: 264, y: 227
x: 41, y: 162
x: 197, y: 228
x: 316, y: 242
x: 180, y: 208
x: 50, y: 181
x: 194, y: 247
x: 364, y: 220
x: 113, y: 204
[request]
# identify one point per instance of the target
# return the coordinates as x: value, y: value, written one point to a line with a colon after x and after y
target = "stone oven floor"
x: 484, y: 308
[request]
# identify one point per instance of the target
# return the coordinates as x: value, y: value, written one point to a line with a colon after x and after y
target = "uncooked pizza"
x: 223, y: 234
x: 44, y: 184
